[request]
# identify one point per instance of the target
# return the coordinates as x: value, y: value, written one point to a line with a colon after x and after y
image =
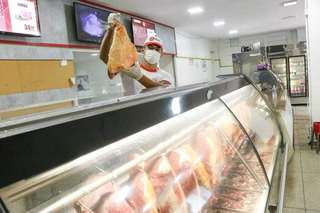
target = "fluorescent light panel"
x: 233, y: 31
x: 289, y: 3
x: 218, y: 23
x: 195, y: 10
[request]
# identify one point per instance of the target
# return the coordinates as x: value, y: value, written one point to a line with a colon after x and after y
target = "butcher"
x: 144, y: 74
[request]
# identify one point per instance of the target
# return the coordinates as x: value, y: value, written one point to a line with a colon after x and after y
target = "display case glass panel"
x: 279, y: 67
x: 255, y: 116
x: 199, y: 160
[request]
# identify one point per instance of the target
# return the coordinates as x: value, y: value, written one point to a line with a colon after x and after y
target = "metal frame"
x: 283, y: 180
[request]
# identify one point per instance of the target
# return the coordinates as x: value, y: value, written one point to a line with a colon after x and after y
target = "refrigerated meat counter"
x: 210, y: 147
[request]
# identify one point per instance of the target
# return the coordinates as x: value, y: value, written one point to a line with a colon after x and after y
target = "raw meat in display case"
x: 200, y: 160
x: 141, y: 196
x: 212, y: 155
x: 200, y: 170
x: 169, y: 193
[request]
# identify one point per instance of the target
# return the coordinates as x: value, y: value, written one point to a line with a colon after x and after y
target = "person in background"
x: 144, y: 74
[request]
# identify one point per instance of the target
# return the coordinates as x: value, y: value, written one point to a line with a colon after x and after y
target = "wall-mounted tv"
x: 141, y: 30
x: 91, y: 23
x: 19, y: 17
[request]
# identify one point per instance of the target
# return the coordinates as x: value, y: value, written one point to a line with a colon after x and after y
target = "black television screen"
x: 141, y: 30
x: 91, y: 23
x: 19, y: 17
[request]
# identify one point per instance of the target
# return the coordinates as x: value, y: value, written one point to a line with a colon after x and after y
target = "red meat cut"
x: 184, y: 168
x: 170, y: 196
x: 141, y: 196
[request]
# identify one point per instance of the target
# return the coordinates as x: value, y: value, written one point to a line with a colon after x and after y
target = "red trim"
x: 156, y: 43
x: 48, y: 44
x: 146, y: 69
x: 120, y: 11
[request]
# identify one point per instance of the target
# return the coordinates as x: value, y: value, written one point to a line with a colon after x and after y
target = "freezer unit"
x: 210, y: 148
x: 298, y: 76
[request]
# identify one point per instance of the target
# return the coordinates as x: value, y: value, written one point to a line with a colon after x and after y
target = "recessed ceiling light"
x: 289, y: 3
x: 233, y: 31
x: 219, y: 23
x: 289, y: 17
x: 195, y: 10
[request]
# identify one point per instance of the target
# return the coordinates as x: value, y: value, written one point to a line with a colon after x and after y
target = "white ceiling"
x: 247, y: 16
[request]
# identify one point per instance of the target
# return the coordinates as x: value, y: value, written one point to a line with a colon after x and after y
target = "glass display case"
x: 297, y: 67
x: 279, y: 67
x: 198, y: 149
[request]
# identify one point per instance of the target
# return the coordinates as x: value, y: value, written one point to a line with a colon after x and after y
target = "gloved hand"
x: 113, y: 19
x: 134, y: 72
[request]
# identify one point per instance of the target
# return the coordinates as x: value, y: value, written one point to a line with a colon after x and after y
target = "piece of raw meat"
x: 169, y: 194
x: 212, y: 155
x: 184, y: 168
x: 200, y: 170
x: 141, y: 196
x: 112, y: 202
x: 90, y: 199
x: 123, y: 54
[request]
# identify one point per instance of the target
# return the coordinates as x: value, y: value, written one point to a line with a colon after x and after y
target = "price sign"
x: 19, y: 17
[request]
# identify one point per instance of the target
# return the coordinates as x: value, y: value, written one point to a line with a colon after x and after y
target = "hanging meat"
x: 212, y: 155
x: 123, y: 54
x: 184, y: 168
x: 141, y: 195
x: 200, y: 170
x: 170, y: 196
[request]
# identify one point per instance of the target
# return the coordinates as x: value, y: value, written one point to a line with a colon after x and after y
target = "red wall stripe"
x: 57, y: 45
x: 48, y: 44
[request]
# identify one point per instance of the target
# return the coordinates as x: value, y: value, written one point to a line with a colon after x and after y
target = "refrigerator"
x: 297, y: 77
x: 291, y: 60
x: 279, y: 67
x: 193, y: 149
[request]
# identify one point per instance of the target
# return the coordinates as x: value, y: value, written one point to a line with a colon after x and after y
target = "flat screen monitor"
x: 91, y: 23
x: 141, y: 30
x: 19, y: 17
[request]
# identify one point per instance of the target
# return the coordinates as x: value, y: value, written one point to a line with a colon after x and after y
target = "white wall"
x: 313, y: 30
x: 194, y: 46
x: 269, y: 39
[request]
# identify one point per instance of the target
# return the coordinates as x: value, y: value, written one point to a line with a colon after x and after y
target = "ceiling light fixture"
x: 219, y: 23
x: 289, y: 3
x: 195, y: 10
x: 233, y: 31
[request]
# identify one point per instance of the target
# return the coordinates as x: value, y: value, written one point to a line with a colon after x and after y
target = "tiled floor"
x: 302, y: 193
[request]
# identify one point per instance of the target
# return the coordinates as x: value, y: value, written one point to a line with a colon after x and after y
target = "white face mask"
x: 152, y: 56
